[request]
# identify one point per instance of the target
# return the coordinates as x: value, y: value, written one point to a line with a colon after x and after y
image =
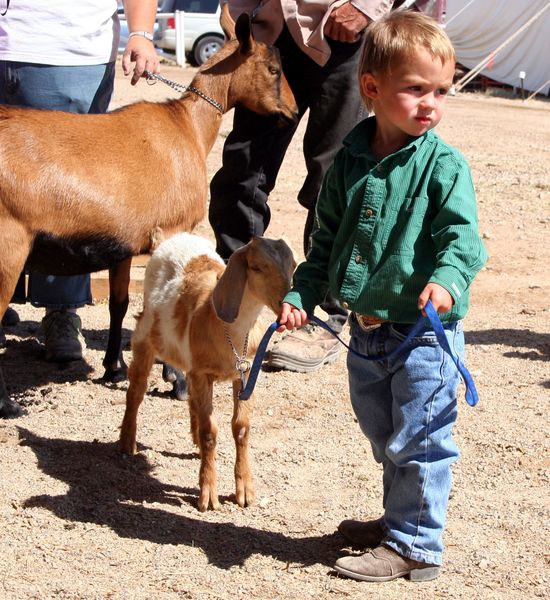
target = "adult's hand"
x: 345, y: 23
x: 140, y: 15
x: 140, y: 51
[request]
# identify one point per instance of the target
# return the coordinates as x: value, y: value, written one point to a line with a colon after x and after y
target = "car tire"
x: 205, y: 47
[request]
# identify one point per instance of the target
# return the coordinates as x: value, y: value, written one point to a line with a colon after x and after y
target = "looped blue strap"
x: 433, y: 318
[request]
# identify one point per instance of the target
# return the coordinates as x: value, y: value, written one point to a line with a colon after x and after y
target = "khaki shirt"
x: 305, y: 20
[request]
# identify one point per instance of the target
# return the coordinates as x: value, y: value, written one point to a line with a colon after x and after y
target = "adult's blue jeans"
x: 407, y: 408
x: 76, y: 89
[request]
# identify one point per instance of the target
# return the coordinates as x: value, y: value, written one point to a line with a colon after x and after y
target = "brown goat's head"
x: 265, y: 267
x: 257, y: 79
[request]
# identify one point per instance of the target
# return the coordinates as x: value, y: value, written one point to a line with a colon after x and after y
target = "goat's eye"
x: 255, y: 268
x: 274, y: 70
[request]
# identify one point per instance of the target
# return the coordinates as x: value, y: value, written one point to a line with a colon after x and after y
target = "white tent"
x: 479, y: 28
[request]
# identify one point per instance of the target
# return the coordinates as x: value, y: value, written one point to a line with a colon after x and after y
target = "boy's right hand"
x: 291, y: 317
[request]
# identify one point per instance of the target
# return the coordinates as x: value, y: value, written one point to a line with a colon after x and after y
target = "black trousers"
x: 255, y: 148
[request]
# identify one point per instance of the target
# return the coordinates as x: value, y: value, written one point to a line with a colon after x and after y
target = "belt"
x: 368, y: 323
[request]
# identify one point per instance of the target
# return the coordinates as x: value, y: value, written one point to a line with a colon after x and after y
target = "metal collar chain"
x: 242, y: 364
x: 152, y: 78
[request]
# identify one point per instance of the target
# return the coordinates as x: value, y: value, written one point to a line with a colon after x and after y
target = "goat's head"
x: 263, y: 266
x: 257, y: 79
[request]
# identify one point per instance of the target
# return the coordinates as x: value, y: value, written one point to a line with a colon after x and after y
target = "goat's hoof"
x: 9, y: 409
x: 245, y: 497
x: 127, y: 447
x: 179, y: 390
x: 178, y: 381
x: 116, y: 375
x: 206, y: 500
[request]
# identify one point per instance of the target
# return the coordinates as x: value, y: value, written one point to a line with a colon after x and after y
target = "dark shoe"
x: 63, y: 336
x: 384, y: 564
x: 363, y: 534
x: 10, y: 317
x: 9, y: 409
x: 304, y: 350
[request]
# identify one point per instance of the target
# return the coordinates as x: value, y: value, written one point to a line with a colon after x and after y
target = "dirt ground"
x: 77, y: 520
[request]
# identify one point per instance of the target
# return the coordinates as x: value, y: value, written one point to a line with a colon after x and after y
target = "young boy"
x: 396, y: 226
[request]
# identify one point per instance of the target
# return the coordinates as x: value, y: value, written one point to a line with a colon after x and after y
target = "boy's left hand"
x: 441, y: 299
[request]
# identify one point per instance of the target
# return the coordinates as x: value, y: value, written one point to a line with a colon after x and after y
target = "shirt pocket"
x: 406, y: 223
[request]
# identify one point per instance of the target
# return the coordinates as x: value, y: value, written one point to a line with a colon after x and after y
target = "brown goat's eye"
x: 274, y: 70
x: 255, y: 268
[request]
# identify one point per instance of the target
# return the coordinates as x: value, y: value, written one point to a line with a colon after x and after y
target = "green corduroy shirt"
x: 385, y: 229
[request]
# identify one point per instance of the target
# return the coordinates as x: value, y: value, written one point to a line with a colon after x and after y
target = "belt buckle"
x: 364, y: 325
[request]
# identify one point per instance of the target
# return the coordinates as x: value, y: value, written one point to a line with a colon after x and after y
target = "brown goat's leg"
x: 240, y: 425
x: 142, y: 361
x: 200, y: 396
x: 14, y: 248
x: 119, y: 282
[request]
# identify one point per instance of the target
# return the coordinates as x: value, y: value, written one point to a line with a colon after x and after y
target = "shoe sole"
x: 291, y: 363
x: 426, y: 574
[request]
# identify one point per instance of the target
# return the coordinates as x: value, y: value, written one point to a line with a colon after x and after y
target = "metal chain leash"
x: 242, y: 365
x: 152, y: 78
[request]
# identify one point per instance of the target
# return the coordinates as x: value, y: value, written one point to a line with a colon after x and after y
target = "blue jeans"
x: 85, y: 89
x: 407, y: 408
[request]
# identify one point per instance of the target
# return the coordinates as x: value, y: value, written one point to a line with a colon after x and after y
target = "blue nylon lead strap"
x: 432, y: 316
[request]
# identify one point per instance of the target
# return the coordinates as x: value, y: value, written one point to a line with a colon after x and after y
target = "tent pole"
x: 537, y: 91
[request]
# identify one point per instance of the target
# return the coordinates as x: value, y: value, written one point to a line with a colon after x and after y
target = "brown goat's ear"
x: 226, y: 22
x: 244, y: 33
x: 229, y: 290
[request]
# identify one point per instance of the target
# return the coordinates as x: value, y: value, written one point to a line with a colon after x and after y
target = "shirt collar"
x: 358, y: 141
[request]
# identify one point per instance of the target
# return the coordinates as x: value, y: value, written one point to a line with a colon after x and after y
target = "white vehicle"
x: 201, y: 24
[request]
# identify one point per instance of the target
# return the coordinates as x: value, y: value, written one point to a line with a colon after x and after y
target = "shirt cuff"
x: 452, y: 280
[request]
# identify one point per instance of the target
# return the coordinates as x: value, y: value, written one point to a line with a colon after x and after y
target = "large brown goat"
x: 202, y: 317
x: 82, y: 193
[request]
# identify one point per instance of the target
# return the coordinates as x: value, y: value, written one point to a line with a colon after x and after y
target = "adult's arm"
x: 141, y: 15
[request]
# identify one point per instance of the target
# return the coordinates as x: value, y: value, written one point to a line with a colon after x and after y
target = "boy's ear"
x: 369, y: 86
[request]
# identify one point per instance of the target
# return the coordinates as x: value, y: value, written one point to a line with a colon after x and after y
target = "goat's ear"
x: 226, y: 22
x: 244, y: 33
x: 229, y: 290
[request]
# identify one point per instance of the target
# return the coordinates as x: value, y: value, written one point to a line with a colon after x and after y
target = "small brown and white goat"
x: 197, y: 315
x: 82, y: 193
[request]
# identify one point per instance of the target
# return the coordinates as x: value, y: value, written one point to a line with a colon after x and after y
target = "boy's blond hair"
x: 398, y: 37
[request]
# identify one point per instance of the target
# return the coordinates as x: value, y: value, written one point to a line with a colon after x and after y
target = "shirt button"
x: 379, y: 168
x: 358, y: 259
x: 345, y: 305
x: 369, y: 212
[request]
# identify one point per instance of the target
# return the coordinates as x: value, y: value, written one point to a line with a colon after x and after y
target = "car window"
x: 197, y: 6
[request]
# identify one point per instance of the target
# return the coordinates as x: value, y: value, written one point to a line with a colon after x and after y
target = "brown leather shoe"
x: 384, y: 564
x: 363, y: 534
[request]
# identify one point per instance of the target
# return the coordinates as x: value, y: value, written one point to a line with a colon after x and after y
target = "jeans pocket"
x: 400, y: 331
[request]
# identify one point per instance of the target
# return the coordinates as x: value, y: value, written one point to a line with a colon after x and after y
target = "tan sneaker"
x: 63, y: 336
x: 363, y: 534
x: 304, y: 350
x: 384, y: 564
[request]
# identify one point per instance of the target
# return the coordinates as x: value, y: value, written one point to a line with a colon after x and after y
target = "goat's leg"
x: 119, y: 282
x: 200, y: 397
x: 142, y: 360
x: 15, y: 244
x: 240, y: 425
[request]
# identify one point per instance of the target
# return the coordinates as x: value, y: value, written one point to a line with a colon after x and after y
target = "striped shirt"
x: 384, y: 229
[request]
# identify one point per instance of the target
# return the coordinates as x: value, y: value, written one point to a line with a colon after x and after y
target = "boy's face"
x: 410, y: 100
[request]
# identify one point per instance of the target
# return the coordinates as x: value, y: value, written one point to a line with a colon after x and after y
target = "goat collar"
x: 152, y: 78
x: 242, y: 364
